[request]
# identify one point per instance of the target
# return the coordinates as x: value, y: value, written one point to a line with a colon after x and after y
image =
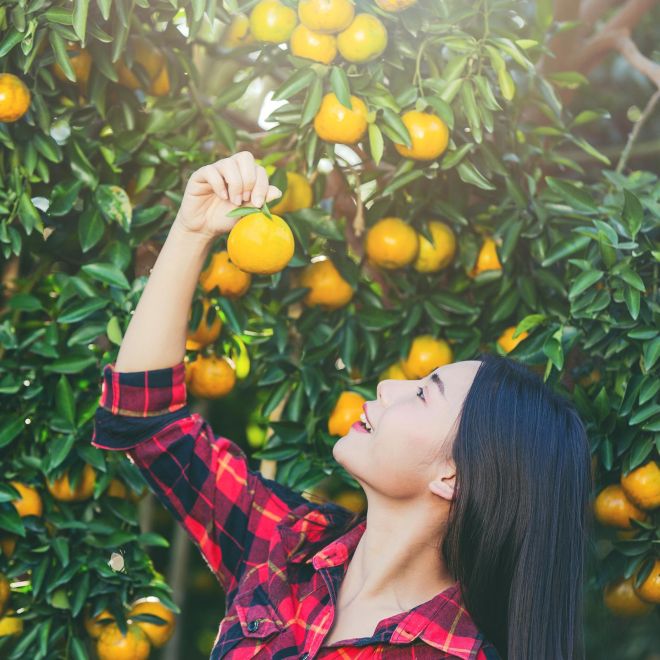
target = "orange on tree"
x: 435, y: 256
x: 95, y: 625
x: 395, y: 5
x: 256, y: 434
x: 487, y: 258
x: 8, y: 545
x: 232, y: 282
x: 506, y: 341
x: 620, y: 598
x: 81, y: 63
x: 313, y: 45
x: 326, y: 16
x: 428, y: 133
x: 62, y: 489
x: 363, y: 40
x: 259, y: 244
x: 592, y: 377
x: 117, y: 488
x: 29, y: 503
x: 346, y: 412
x: 157, y: 633
x: 160, y: 85
x: 649, y: 589
x: 613, y: 509
x: 204, y: 334
x: 391, y: 243
x: 112, y: 645
x: 272, y: 21
x: 5, y: 591
x: 327, y: 288
x: 189, y: 366
x: 213, y: 377
x: 298, y: 195
x: 426, y: 354
x: 237, y: 32
x: 334, y: 122
x: 353, y: 500
x: 394, y: 372
x: 146, y: 55
x: 10, y: 624
x: 14, y: 97
x: 642, y: 485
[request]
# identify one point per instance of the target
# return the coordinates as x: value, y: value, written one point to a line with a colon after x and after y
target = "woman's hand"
x: 216, y: 189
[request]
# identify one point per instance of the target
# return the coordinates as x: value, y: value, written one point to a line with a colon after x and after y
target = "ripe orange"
x: 649, y: 590
x: 5, y: 591
x: 204, y: 334
x: 614, y: 509
x: 394, y: 372
x: 117, y: 488
x: 213, y: 377
x: 391, y: 243
x: 231, y: 281
x: 81, y: 63
x: 435, y: 256
x: 429, y: 135
x: 272, y: 21
x: 10, y: 624
x: 363, y: 40
x: 620, y: 598
x: 487, y: 258
x: 313, y: 45
x: 96, y: 625
x: 8, y: 545
x: 326, y: 16
x: 353, y: 500
x: 158, y: 634
x: 506, y: 341
x: 642, y: 485
x: 395, y: 5
x: 589, y: 379
x: 190, y: 366
x: 29, y: 503
x: 426, y: 354
x: 160, y: 85
x: 14, y: 97
x: 346, y: 412
x: 335, y: 122
x: 237, y: 32
x: 259, y: 244
x: 61, y: 489
x: 298, y: 195
x: 328, y: 288
x: 150, y: 58
x: 112, y: 645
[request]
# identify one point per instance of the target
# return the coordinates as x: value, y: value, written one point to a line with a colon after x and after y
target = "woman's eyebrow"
x: 436, y: 379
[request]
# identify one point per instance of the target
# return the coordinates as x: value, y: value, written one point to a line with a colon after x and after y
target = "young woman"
x: 477, y: 479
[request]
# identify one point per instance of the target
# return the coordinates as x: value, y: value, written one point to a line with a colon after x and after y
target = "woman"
x: 477, y: 479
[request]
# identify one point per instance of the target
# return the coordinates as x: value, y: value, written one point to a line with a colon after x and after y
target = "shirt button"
x: 253, y: 625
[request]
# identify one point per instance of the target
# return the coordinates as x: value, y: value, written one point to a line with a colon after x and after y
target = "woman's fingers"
x: 229, y: 169
x: 216, y: 181
x: 248, y: 170
x: 260, y: 187
x: 273, y: 193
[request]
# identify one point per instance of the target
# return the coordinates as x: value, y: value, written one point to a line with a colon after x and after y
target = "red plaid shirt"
x: 280, y: 603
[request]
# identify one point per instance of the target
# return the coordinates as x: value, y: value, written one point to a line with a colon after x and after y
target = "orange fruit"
x: 150, y: 58
x: 487, y: 258
x: 335, y: 122
x: 189, y: 369
x: 213, y: 377
x: 363, y: 40
x: 326, y: 16
x: 10, y: 624
x: 160, y: 85
x: 613, y: 509
x: 158, y: 634
x: 8, y: 545
x: 620, y: 598
x: 391, y: 243
x: 259, y: 244
x: 589, y: 379
x: 426, y: 354
x: 81, y: 63
x: 395, y: 5
x: 231, y: 281
x: 313, y: 45
x: 346, y: 412
x: 435, y: 256
x: 61, y: 489
x: 237, y: 32
x: 649, y: 590
x: 394, y: 372
x: 272, y: 21
x: 353, y: 500
x: 29, y: 503
x: 112, y: 645
x: 429, y: 135
x: 14, y: 97
x: 256, y: 435
x: 97, y: 624
x: 642, y: 485
x: 298, y: 195
x: 117, y: 488
x: 506, y: 341
x: 204, y: 334
x: 327, y: 288
x: 5, y: 591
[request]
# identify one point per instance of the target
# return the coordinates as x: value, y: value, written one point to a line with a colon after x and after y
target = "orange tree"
x: 434, y: 180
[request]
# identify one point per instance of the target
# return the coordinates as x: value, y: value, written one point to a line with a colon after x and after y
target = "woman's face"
x: 414, y: 424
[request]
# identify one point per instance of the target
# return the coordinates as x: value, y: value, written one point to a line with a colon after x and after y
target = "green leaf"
x: 528, y: 323
x: 90, y: 228
x: 10, y: 429
x: 376, y: 143
x: 651, y: 353
x: 576, y: 197
x: 107, y: 273
x: 115, y: 205
x: 61, y: 57
x: 470, y: 174
x: 295, y: 83
x: 583, y: 281
x: 64, y: 402
x: 565, y: 248
x: 453, y: 158
x: 632, y: 214
x: 234, y: 92
x: 340, y: 85
x: 63, y: 197
x: 80, y: 311
x: 394, y: 122
x: 632, y: 298
x: 470, y: 110
x: 312, y: 102
x: 80, y: 9
x: 591, y: 150
x: 10, y: 521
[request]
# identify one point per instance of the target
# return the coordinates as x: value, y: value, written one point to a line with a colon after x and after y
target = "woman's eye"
x: 420, y: 393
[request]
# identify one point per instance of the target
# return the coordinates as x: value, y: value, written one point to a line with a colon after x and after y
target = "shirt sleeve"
x: 229, y: 510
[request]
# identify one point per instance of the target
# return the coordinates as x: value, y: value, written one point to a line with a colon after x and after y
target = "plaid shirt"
x: 280, y: 602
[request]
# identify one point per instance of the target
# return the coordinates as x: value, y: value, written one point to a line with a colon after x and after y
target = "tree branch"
x: 636, y: 129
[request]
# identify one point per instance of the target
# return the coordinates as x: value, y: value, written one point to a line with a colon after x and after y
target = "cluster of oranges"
x: 10, y: 623
x: 637, y: 493
x: 142, y: 633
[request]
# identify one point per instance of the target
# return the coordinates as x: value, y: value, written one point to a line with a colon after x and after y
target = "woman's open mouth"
x: 363, y: 425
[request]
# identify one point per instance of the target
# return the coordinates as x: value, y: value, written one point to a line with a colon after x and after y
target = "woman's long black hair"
x: 518, y: 527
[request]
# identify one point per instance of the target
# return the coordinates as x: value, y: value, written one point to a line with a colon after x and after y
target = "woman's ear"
x: 443, y: 486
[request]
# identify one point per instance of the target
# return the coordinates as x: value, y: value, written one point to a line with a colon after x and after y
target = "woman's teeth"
x: 363, y: 419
